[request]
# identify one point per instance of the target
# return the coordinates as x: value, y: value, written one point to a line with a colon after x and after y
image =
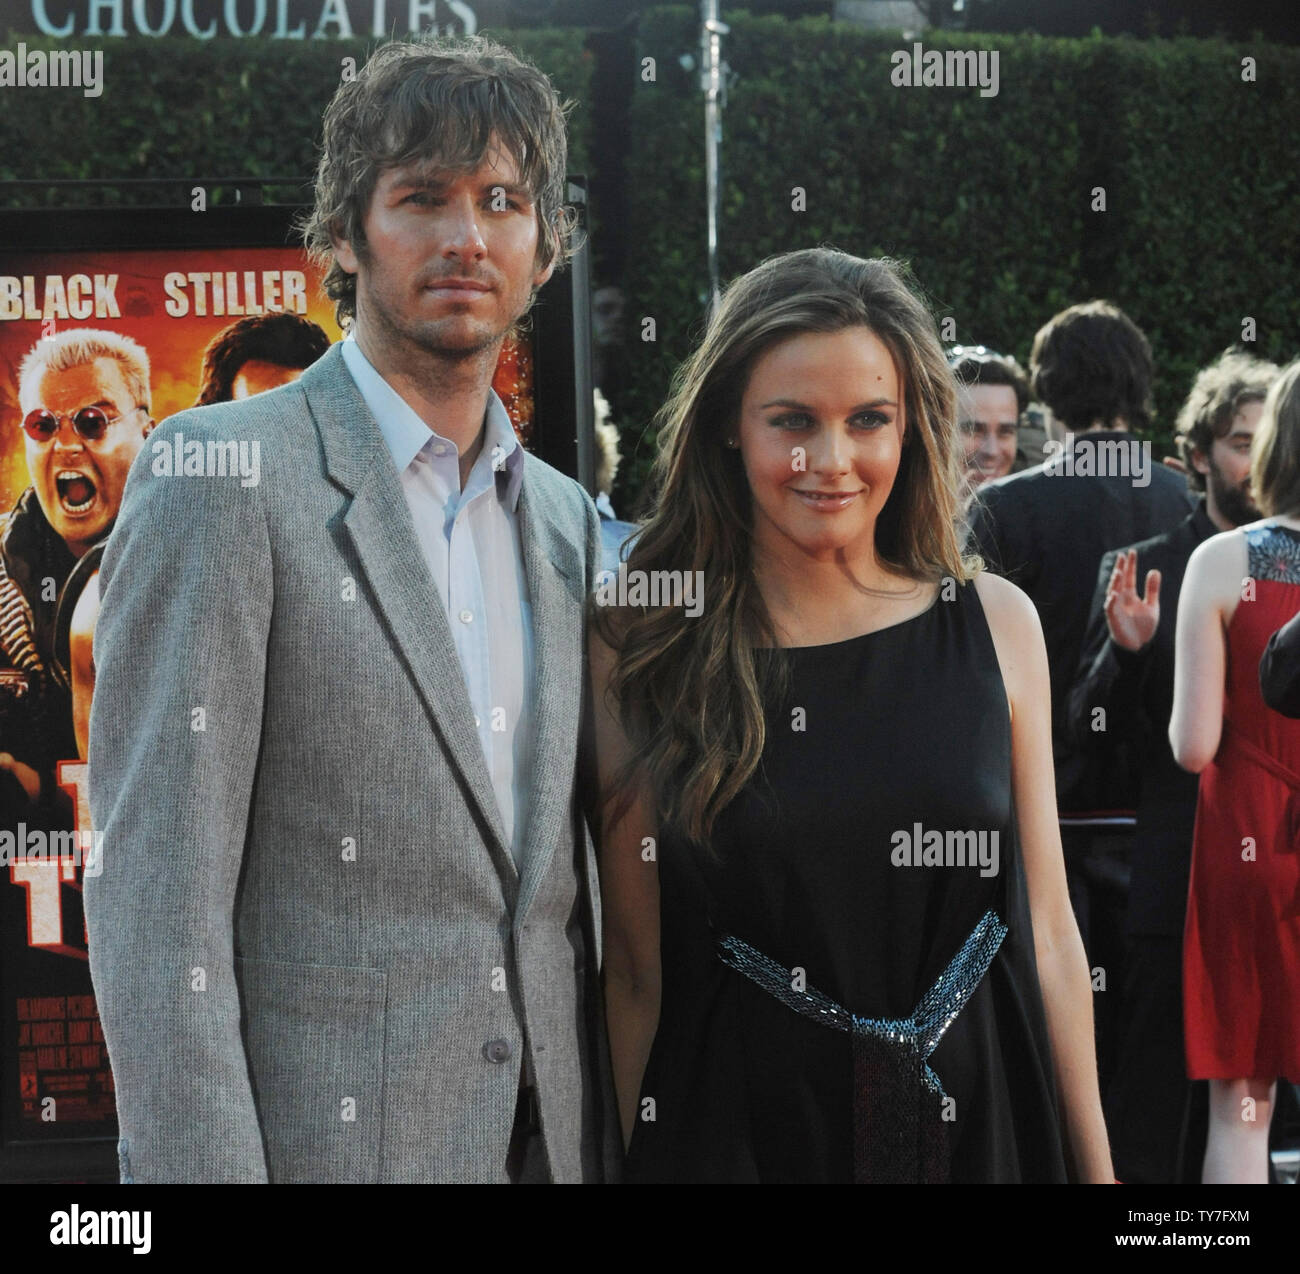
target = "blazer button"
x: 497, y: 1050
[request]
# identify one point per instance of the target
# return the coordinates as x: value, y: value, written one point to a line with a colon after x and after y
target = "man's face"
x: 990, y: 430
x: 1227, y: 470
x: 607, y: 307
x: 257, y: 376
x: 79, y: 481
x: 450, y: 260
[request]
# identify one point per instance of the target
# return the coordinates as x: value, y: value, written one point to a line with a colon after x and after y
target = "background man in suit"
x: 1047, y: 527
x: 1046, y: 530
x: 994, y: 396
x: 1127, y: 671
x: 346, y: 927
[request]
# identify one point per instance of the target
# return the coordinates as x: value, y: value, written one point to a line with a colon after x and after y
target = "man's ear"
x: 1200, y: 461
x: 149, y: 426
x: 344, y: 253
x: 541, y: 278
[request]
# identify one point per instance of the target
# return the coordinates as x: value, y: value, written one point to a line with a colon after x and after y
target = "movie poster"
x: 95, y: 349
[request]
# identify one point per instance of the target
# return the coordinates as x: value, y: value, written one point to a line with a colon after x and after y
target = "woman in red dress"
x: 1241, y: 950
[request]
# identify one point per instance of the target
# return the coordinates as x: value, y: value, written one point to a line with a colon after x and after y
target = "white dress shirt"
x: 472, y: 544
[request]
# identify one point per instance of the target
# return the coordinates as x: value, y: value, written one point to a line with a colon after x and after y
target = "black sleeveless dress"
x: 849, y: 984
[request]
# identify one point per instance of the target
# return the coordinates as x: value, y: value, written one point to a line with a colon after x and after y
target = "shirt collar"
x: 1202, y: 521
x: 499, y: 432
x: 405, y: 434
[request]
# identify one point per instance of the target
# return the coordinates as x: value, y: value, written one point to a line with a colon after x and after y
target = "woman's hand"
x: 625, y: 833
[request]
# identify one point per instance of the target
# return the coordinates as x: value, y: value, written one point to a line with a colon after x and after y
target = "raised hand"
x: 1131, y: 619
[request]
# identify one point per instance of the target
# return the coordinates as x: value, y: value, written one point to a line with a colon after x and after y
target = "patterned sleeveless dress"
x: 1241, y: 947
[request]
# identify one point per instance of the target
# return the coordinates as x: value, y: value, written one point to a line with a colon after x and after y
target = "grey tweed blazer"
x: 313, y: 955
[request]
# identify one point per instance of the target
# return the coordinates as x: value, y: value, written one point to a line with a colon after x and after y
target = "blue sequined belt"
x: 900, y: 1112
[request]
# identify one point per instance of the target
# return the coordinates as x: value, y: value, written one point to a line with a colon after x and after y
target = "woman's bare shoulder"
x: 1217, y: 567
x: 1007, y: 607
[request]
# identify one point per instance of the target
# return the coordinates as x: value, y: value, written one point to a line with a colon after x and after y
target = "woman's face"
x: 821, y: 432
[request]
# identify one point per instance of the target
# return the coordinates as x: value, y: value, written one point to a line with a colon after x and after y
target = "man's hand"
x: 1132, y: 620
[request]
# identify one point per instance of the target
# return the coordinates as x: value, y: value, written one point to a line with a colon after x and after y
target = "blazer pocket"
x: 314, y: 1036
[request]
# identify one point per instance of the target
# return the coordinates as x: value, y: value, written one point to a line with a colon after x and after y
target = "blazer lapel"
x: 557, y: 590
x: 378, y: 523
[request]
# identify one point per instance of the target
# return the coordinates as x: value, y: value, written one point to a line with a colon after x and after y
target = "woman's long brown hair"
x: 690, y: 692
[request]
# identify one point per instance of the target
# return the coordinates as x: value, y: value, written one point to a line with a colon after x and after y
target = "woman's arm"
x: 1062, y: 965
x: 627, y: 854
x: 1205, y: 606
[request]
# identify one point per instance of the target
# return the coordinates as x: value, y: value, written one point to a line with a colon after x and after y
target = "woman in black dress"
x: 838, y: 944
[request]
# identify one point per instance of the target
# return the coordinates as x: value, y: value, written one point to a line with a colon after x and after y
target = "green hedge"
x: 988, y: 198
x: 221, y: 108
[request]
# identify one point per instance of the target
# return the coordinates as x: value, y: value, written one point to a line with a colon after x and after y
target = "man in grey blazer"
x: 346, y: 927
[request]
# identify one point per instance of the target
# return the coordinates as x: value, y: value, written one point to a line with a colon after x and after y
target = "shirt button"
x: 497, y: 1050
x: 440, y: 450
x: 467, y: 617
x: 477, y: 721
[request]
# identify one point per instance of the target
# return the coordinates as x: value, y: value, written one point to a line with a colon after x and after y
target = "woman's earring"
x: 731, y: 442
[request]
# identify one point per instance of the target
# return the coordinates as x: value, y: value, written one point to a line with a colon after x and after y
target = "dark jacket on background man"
x: 1279, y: 670
x: 1046, y: 531
x: 1136, y: 689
